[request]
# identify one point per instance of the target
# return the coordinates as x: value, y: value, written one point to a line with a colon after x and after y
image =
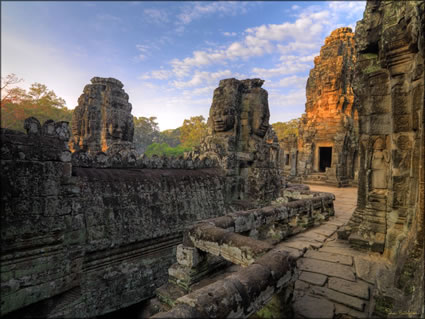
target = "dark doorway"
x: 325, y: 158
x: 287, y: 159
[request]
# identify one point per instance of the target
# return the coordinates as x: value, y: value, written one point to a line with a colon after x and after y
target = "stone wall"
x: 389, y: 93
x: 83, y: 234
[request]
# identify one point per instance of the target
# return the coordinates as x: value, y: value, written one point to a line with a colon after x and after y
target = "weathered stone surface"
x: 295, y: 253
x: 326, y: 268
x: 356, y: 289
x: 237, y: 249
x: 314, y: 307
x: 102, y: 120
x: 330, y: 120
x: 367, y: 270
x: 242, y: 141
x: 343, y: 310
x: 336, y: 258
x: 389, y: 54
x: 313, y: 278
x: 344, y: 299
x: 389, y: 90
x: 298, y: 244
x: 84, y: 241
x: 342, y: 251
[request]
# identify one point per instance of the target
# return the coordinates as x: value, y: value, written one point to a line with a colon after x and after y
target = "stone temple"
x: 90, y: 229
x: 242, y: 141
x: 326, y: 150
x: 102, y: 119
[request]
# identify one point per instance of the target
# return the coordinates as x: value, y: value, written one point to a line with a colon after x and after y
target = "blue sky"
x: 171, y: 55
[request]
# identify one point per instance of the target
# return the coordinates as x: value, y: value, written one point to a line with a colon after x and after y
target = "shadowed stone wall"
x: 82, y: 234
x: 389, y: 93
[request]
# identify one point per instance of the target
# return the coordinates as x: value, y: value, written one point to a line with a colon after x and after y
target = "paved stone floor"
x: 334, y: 280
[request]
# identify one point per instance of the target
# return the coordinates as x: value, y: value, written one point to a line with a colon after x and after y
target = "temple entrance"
x: 325, y: 158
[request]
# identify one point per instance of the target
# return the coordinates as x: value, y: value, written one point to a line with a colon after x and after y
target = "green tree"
x: 284, y: 129
x: 171, y: 137
x: 161, y: 149
x: 192, y: 131
x: 146, y: 132
x: 17, y: 104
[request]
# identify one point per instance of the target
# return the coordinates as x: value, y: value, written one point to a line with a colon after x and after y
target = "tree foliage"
x: 18, y: 104
x: 284, y: 129
x: 146, y: 132
x: 192, y: 131
x: 161, y: 149
x: 170, y: 137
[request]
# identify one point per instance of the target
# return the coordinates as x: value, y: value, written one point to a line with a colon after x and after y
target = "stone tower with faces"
x: 243, y: 142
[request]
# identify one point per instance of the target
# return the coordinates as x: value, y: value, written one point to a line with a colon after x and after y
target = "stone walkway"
x: 334, y: 280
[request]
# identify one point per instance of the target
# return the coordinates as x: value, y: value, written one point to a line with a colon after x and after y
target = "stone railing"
x: 47, y: 142
x: 242, y: 238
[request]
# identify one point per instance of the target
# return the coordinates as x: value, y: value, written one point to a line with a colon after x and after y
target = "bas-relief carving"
x: 386, y: 86
x: 379, y: 166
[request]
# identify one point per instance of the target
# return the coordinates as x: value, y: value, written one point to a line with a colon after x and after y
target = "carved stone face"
x: 223, y: 118
x: 260, y: 120
x: 116, y: 129
x: 379, y: 145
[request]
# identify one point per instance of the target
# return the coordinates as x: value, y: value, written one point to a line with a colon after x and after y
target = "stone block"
x: 188, y: 256
x: 356, y: 289
x: 313, y: 307
x: 313, y: 278
x: 331, y: 257
x: 341, y: 298
x: 326, y: 268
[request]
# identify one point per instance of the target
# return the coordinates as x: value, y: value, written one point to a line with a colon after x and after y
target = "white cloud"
x: 199, y: 9
x: 289, y: 81
x: 284, y: 68
x: 108, y: 17
x: 230, y: 34
x: 157, y: 75
x: 298, y: 47
x: 156, y: 15
x: 201, y: 77
x: 260, y: 41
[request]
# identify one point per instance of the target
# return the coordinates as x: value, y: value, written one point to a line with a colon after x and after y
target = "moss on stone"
x: 369, y: 56
x: 383, y: 305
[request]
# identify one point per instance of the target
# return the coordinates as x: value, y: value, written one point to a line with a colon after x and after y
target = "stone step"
x: 336, y: 258
x: 341, y: 298
x: 313, y: 307
x: 326, y: 268
x: 312, y: 278
x: 356, y: 289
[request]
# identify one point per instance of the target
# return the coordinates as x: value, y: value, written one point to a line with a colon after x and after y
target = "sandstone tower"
x: 102, y: 121
x: 242, y: 141
x: 327, y: 142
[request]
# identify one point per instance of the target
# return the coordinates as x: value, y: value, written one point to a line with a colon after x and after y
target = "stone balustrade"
x: 245, y: 238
